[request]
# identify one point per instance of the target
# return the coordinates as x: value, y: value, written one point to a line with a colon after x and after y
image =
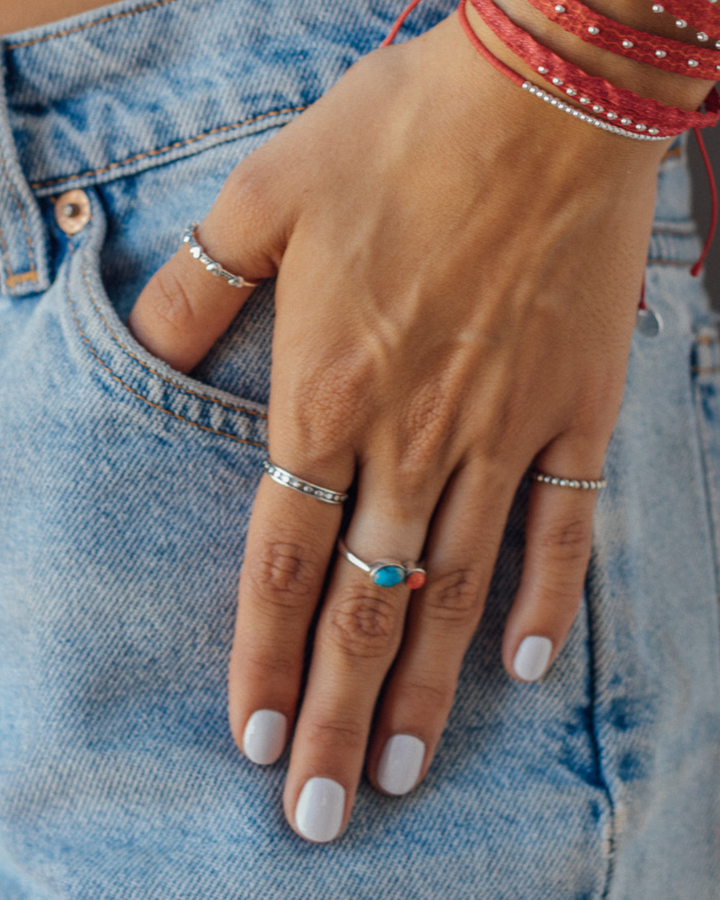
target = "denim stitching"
x: 135, y: 393
x: 50, y: 37
x: 594, y: 575
x: 711, y: 492
x: 174, y: 384
x: 145, y: 399
x: 30, y: 274
x: 190, y: 140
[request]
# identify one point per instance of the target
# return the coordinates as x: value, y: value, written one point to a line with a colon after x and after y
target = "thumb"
x: 184, y: 308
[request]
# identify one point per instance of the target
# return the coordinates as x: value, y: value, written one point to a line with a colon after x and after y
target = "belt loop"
x: 24, y: 265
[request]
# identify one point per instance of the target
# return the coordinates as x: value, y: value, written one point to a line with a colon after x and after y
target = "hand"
x: 458, y: 270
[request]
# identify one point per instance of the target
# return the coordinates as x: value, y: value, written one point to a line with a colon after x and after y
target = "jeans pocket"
x: 107, y: 362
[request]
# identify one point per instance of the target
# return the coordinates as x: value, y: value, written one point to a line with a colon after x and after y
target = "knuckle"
x: 328, y: 404
x: 264, y: 665
x: 427, y: 696
x: 364, y: 626
x: 335, y: 731
x: 172, y: 306
x: 454, y: 597
x: 284, y: 573
x: 249, y: 185
x: 566, y: 541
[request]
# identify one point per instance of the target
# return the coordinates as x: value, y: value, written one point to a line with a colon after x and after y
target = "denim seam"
x: 131, y: 159
x: 135, y: 393
x: 58, y: 34
x: 711, y: 492
x: 30, y: 274
x: 170, y: 381
x: 597, y: 743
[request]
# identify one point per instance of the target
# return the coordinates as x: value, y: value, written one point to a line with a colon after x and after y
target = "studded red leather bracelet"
x: 623, y: 108
x: 663, y: 53
x: 704, y: 14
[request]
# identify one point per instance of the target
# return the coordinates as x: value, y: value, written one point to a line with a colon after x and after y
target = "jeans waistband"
x: 137, y: 84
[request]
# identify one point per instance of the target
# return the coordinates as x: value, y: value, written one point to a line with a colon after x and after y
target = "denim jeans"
x: 125, y: 489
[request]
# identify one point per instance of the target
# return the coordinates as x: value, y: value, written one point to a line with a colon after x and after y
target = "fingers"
x: 183, y: 309
x: 358, y: 635
x: 291, y: 540
x: 442, y: 618
x: 558, y: 544
x: 361, y: 630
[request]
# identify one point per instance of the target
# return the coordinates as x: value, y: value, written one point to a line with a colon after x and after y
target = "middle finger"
x: 357, y: 637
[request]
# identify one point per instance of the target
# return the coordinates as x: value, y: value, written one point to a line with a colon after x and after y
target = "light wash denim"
x: 124, y: 496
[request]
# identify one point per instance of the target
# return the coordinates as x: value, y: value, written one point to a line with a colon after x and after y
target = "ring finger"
x: 358, y: 633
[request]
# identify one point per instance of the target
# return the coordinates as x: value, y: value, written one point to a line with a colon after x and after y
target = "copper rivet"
x: 72, y: 211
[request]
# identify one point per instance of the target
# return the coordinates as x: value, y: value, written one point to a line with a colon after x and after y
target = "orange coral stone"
x: 416, y: 580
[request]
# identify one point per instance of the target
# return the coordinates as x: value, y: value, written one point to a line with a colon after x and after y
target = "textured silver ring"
x: 387, y: 572
x: 287, y: 479
x: 579, y: 484
x: 212, y: 266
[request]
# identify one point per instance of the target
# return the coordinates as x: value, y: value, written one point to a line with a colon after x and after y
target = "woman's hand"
x: 458, y: 275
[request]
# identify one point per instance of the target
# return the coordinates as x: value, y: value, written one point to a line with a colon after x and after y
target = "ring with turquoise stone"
x: 387, y: 572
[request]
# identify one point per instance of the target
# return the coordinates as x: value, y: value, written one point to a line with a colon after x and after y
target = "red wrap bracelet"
x: 663, y: 53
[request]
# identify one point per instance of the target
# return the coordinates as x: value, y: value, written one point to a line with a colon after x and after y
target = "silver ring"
x: 287, y: 479
x: 579, y: 484
x: 210, y: 264
x: 387, y: 572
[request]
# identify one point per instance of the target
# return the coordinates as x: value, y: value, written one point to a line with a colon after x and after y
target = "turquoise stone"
x: 389, y: 576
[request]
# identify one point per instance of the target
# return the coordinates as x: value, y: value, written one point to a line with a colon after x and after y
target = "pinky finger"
x: 557, y: 552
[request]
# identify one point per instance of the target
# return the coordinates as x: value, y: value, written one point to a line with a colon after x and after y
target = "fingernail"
x: 264, y: 736
x: 319, y: 810
x: 532, y: 658
x: 400, y: 763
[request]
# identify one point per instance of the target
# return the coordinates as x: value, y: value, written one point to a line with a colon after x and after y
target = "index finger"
x: 290, y: 543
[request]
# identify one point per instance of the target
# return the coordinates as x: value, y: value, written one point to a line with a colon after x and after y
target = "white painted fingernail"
x: 532, y: 658
x: 264, y: 737
x: 320, y: 808
x: 400, y: 763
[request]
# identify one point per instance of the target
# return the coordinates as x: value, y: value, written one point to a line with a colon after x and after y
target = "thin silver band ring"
x: 287, y: 479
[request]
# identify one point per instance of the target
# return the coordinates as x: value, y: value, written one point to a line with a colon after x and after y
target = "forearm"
x: 648, y: 81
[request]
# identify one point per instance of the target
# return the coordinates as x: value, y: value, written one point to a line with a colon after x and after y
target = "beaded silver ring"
x: 212, y: 266
x: 579, y: 484
x: 287, y: 479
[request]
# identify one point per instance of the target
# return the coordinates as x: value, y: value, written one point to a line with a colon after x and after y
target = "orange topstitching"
x: 158, y: 150
x: 50, y: 37
x: 30, y: 274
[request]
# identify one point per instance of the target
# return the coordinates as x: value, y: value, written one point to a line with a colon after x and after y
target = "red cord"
x: 399, y: 22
